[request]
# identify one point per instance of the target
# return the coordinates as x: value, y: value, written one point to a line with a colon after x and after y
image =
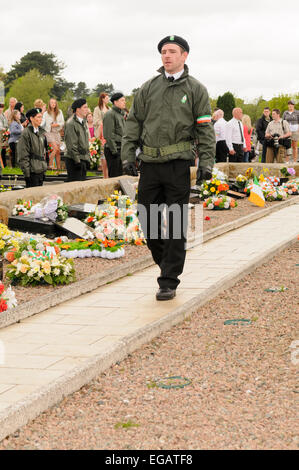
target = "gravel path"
x: 243, y: 387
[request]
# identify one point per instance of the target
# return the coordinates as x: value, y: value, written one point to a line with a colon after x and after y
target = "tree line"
x: 39, y: 75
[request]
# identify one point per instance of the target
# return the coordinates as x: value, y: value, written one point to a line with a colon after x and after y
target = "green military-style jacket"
x: 165, y: 113
x: 76, y: 139
x: 113, y: 128
x: 31, y: 151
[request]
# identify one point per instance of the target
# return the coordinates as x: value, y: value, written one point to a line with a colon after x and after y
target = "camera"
x: 276, y: 141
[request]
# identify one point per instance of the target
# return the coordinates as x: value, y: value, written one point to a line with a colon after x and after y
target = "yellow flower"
x: 46, y: 267
x: 2, y: 244
x: 109, y: 199
x: 212, y: 190
x: 24, y: 268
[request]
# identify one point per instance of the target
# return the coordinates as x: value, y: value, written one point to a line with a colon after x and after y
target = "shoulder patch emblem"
x: 184, y: 99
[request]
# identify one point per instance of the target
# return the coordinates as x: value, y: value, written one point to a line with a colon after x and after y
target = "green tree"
x: 227, y: 103
x: 66, y: 102
x: 280, y: 102
x: 31, y: 86
x: 61, y: 86
x: 46, y: 64
x: 81, y: 90
x: 103, y: 88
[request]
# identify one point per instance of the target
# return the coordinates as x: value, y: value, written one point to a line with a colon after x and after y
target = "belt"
x: 167, y: 150
x: 37, y: 157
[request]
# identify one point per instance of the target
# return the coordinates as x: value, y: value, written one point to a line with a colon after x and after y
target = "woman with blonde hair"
x: 98, y: 116
x: 53, y: 124
x: 246, y: 121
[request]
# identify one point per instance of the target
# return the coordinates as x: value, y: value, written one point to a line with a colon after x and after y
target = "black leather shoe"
x: 165, y: 294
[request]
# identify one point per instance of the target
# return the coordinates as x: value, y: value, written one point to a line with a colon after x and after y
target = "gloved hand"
x: 27, y: 181
x: 78, y: 165
x: 130, y: 168
x: 203, y: 173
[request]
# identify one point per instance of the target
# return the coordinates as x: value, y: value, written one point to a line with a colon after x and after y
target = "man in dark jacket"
x: 261, y: 127
x: 113, y: 127
x: 77, y: 142
x: 170, y: 114
x: 32, y: 150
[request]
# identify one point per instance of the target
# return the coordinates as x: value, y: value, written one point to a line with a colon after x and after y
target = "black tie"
x: 170, y: 79
x: 242, y: 138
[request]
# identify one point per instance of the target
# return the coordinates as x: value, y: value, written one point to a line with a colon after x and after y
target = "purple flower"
x: 291, y: 171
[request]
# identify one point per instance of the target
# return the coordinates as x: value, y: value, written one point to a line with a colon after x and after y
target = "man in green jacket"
x: 32, y: 150
x: 77, y: 142
x: 170, y: 114
x: 113, y: 126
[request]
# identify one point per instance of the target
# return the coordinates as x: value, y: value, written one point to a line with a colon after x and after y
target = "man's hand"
x: 130, y: 168
x: 232, y: 152
x: 203, y: 173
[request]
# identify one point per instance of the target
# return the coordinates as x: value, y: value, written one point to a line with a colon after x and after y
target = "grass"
x: 129, y: 424
x: 17, y: 171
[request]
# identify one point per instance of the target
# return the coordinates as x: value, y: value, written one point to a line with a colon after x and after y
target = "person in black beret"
x: 113, y: 126
x: 31, y: 149
x: 77, y: 142
x: 170, y: 118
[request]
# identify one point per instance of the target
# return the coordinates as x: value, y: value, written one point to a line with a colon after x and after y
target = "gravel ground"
x: 85, y: 267
x: 243, y: 389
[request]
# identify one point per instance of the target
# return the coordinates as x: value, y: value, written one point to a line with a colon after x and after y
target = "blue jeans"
x: 246, y: 157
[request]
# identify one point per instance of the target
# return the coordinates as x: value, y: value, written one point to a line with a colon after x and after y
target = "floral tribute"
x: 7, y: 298
x: 52, y: 208
x: 287, y: 172
x: 80, y: 248
x: 40, y: 263
x: 95, y: 152
x: 9, y: 240
x: 117, y: 220
x: 271, y: 192
x: 220, y: 202
x: 216, y: 185
x: 292, y: 187
x: 5, y: 136
x: 22, y: 207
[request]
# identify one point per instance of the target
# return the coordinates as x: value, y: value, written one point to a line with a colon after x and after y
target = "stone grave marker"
x: 127, y: 187
x: 74, y: 228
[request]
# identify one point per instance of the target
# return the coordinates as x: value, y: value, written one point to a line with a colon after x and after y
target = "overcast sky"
x: 249, y: 48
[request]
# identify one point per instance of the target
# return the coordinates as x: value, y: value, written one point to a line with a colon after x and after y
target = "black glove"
x: 27, y: 181
x: 130, y: 168
x: 77, y: 165
x: 203, y: 173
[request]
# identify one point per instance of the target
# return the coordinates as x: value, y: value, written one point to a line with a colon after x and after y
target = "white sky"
x: 249, y: 48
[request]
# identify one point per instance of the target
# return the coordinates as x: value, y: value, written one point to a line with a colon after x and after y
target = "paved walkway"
x: 49, y: 345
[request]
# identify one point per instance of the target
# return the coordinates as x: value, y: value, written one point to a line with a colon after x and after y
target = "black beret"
x: 78, y: 103
x: 116, y: 96
x: 33, y: 112
x: 18, y: 106
x: 174, y: 40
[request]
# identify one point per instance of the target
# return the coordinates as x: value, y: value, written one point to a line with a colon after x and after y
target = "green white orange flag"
x: 256, y: 194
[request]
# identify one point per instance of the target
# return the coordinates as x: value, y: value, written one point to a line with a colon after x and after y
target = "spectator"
x: 234, y: 137
x: 53, y: 124
x: 3, y: 127
x: 8, y: 112
x: 220, y: 130
x: 77, y: 142
x: 20, y: 107
x: 261, y: 127
x: 280, y: 128
x: 113, y: 127
x: 98, y: 118
x: 32, y: 150
x: 247, y: 136
x: 292, y: 117
x: 41, y: 105
x: 15, y: 130
x: 89, y: 119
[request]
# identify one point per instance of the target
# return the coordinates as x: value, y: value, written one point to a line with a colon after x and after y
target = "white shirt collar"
x: 79, y: 119
x: 175, y: 75
x: 35, y: 130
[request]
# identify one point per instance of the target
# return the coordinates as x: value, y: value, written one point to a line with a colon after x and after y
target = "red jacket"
x: 247, y: 137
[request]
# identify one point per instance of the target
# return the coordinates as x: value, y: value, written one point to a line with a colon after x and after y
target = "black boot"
x: 165, y: 294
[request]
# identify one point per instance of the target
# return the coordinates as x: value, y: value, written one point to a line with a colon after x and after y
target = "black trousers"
x: 165, y: 184
x: 239, y: 155
x: 75, y: 172
x: 221, y: 151
x: 36, y: 179
x: 114, y: 164
x: 13, y: 148
x: 264, y: 152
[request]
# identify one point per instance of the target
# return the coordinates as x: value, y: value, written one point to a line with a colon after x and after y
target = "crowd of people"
x: 237, y: 139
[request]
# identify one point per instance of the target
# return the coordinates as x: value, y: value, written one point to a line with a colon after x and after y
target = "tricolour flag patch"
x: 202, y: 119
x: 256, y: 194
